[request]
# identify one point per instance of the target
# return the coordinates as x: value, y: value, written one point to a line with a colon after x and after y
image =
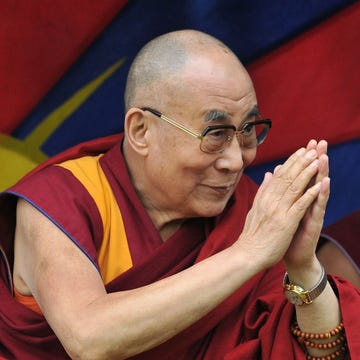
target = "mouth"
x: 222, y: 189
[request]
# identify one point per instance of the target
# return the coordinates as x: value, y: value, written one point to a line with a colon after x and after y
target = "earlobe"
x: 136, y: 130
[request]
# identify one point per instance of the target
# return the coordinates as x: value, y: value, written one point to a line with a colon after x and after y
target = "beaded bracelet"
x: 322, y: 346
x: 317, y: 336
x: 306, y: 339
x: 333, y: 356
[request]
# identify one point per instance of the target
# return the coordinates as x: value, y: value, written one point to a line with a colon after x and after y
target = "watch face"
x: 293, y: 297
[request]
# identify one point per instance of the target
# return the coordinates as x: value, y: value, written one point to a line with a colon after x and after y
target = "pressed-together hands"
x: 302, y: 248
x: 287, y: 215
x: 285, y: 223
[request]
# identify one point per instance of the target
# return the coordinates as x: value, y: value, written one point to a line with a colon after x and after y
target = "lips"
x: 222, y: 189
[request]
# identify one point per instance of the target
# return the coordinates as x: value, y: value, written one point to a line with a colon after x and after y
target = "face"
x: 183, y: 181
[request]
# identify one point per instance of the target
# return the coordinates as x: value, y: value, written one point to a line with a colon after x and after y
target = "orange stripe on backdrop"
x: 39, y: 40
x: 310, y: 86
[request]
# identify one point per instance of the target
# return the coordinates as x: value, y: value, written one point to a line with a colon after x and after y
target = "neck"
x: 169, y: 229
x: 164, y: 222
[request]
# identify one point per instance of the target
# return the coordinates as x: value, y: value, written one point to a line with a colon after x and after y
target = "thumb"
x: 266, y: 181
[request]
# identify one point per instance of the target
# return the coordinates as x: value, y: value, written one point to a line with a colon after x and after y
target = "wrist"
x: 305, y: 276
x: 299, y: 294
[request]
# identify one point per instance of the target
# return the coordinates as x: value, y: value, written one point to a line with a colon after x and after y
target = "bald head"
x: 161, y: 62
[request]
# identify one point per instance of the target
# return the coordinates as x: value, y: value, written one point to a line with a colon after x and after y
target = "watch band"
x: 307, y: 296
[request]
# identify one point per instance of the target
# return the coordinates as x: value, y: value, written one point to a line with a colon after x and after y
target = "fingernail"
x: 315, y: 163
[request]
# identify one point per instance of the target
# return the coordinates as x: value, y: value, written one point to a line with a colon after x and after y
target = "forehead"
x: 215, y: 87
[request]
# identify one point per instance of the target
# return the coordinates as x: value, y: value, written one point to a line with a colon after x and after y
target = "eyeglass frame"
x: 209, y: 128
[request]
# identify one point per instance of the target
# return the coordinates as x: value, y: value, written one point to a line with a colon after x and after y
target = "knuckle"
x: 284, y: 178
x: 294, y: 189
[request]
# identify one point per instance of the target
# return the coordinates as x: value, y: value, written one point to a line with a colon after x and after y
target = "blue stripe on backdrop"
x: 249, y: 27
x: 344, y: 174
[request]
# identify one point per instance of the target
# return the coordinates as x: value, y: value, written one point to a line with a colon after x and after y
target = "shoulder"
x: 58, y: 194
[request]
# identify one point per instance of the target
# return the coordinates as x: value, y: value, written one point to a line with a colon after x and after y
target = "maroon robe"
x: 242, y: 327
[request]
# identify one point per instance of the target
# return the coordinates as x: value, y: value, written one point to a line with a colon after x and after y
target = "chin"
x: 212, y: 210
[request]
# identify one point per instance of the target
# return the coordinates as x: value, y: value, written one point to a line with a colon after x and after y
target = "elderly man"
x: 155, y: 245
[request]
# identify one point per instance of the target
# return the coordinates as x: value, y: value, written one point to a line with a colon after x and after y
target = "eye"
x: 219, y: 133
x: 248, y: 129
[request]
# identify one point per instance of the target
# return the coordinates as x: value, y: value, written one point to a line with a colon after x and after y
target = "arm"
x: 301, y: 262
x: 323, y: 314
x: 93, y: 324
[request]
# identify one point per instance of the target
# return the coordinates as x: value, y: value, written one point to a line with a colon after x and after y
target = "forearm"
x: 93, y: 324
x: 127, y: 323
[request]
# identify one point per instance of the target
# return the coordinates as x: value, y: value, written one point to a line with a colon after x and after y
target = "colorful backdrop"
x: 63, y: 66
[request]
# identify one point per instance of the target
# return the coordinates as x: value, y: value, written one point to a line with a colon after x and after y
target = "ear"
x: 136, y: 130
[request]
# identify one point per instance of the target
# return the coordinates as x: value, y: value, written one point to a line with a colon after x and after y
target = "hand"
x: 280, y: 204
x: 301, y: 253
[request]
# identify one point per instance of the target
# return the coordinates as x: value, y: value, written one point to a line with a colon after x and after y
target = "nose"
x: 231, y: 158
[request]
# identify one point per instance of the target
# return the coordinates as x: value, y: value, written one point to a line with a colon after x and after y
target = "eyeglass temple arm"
x: 172, y: 122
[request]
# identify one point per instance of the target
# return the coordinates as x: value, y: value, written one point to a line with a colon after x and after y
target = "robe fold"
x: 252, y: 323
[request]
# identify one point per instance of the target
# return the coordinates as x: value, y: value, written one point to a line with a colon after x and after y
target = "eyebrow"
x: 253, y: 112
x: 218, y: 115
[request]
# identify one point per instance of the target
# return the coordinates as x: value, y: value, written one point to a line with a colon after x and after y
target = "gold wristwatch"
x: 298, y: 296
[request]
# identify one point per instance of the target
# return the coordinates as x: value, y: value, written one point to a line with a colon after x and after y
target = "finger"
x: 291, y: 170
x: 325, y: 188
x: 322, y: 147
x: 323, y: 173
x: 319, y: 206
x: 300, y: 183
x: 294, y: 164
x: 264, y: 184
x: 277, y: 168
x: 315, y: 217
x: 311, y: 144
x: 323, y: 170
x: 324, y: 165
x: 300, y: 207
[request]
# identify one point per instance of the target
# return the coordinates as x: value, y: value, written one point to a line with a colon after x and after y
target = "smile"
x: 221, y: 190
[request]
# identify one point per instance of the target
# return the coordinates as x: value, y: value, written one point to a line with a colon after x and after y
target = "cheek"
x: 249, y: 156
x: 181, y: 175
x: 182, y: 172
x: 178, y: 160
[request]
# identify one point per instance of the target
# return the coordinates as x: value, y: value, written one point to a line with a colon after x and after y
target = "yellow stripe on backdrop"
x: 18, y: 157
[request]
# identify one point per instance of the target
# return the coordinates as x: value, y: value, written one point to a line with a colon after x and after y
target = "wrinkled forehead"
x: 214, y: 83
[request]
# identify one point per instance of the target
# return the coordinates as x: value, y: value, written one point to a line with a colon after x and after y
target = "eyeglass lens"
x: 250, y: 136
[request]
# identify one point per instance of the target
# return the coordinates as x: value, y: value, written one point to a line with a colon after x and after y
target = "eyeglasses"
x: 215, y: 138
